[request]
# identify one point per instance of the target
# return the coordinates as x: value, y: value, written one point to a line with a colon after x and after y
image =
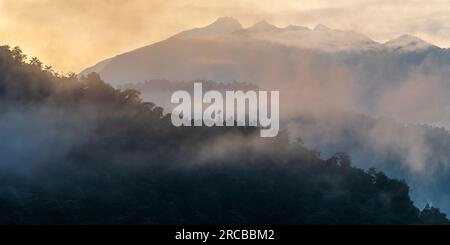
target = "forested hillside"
x: 76, y: 151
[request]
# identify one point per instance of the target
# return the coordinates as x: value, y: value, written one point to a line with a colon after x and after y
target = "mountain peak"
x: 406, y: 38
x: 321, y: 27
x: 263, y: 26
x: 227, y: 22
x: 407, y: 42
x: 223, y: 25
x: 296, y: 28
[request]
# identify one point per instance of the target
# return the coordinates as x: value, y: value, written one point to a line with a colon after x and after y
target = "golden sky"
x: 73, y: 34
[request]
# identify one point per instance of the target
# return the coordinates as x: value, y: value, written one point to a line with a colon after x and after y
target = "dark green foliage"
x: 433, y: 216
x: 94, y: 154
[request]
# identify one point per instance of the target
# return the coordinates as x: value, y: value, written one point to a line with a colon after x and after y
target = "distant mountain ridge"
x: 214, y: 52
x: 321, y: 72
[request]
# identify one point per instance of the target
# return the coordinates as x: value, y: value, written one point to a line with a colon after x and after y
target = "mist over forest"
x: 417, y: 153
x: 75, y: 150
x: 383, y: 103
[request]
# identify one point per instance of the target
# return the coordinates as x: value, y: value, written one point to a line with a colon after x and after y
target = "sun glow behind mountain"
x: 95, y: 30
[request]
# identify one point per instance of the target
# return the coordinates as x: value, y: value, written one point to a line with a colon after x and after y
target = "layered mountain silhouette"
x: 224, y: 51
x: 327, y: 79
x: 78, y: 151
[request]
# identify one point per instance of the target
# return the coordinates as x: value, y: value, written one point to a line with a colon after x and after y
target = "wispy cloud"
x: 74, y: 34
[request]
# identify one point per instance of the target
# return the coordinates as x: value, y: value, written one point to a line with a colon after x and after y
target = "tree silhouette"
x: 110, y: 158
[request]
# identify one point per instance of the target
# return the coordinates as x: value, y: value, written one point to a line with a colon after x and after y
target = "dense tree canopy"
x: 76, y: 150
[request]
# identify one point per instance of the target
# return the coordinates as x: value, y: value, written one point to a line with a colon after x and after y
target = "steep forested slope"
x: 78, y: 151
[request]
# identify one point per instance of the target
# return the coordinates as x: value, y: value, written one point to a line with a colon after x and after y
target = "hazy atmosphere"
x: 361, y: 112
x: 70, y: 35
